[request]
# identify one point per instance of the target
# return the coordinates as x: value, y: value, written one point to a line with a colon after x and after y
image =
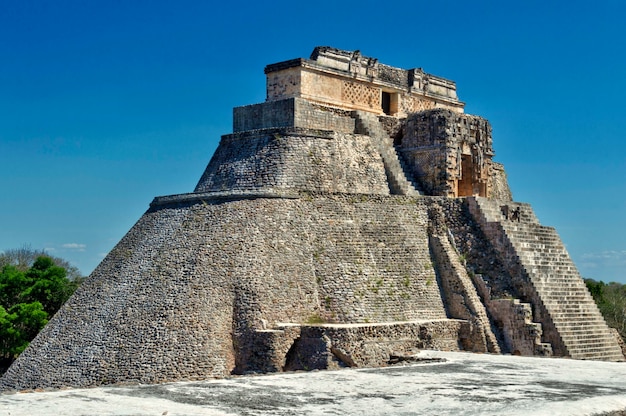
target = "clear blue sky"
x: 107, y: 104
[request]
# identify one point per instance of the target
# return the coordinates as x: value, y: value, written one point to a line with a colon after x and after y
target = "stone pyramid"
x: 353, y: 218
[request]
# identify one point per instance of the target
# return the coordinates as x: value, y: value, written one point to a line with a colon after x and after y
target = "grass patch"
x: 315, y: 319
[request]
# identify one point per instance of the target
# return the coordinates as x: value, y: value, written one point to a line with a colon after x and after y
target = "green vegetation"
x: 611, y: 300
x: 406, y: 281
x: 24, y: 257
x: 33, y: 287
x: 315, y: 319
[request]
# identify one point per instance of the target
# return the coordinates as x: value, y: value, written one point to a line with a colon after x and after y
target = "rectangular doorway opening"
x: 390, y: 102
x: 386, y: 103
x: 466, y: 184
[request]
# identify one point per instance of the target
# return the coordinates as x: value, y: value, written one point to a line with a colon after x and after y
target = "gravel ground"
x: 463, y: 384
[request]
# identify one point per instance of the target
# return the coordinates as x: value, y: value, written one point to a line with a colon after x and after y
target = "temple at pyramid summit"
x: 352, y: 219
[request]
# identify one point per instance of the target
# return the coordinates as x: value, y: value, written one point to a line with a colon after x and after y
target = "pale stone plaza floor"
x: 465, y: 384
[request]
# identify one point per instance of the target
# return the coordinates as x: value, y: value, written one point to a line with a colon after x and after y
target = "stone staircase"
x: 521, y: 334
x: 397, y: 173
x: 549, y: 280
x: 463, y: 301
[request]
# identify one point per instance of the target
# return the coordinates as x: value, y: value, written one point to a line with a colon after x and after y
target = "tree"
x: 611, y: 300
x: 47, y: 284
x: 12, y: 283
x: 19, y: 326
x: 24, y: 257
x: 29, y: 296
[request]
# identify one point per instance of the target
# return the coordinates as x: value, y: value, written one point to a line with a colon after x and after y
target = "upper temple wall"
x: 350, y: 81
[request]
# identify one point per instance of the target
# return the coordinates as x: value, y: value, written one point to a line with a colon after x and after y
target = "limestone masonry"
x: 351, y: 219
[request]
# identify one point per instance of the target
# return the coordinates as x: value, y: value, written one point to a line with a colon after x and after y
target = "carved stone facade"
x: 451, y: 154
x: 349, y: 80
x: 355, y: 216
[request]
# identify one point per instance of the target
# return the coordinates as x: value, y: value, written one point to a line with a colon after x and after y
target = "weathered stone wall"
x: 374, y: 264
x: 191, y: 284
x: 291, y: 112
x: 293, y: 159
x: 284, y: 84
x: 205, y: 287
x: 500, y: 185
x: 451, y: 153
x: 521, y: 335
x: 428, y: 167
x: 371, y: 345
x: 392, y: 126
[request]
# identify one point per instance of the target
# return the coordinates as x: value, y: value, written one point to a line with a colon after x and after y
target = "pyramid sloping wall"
x: 295, y: 159
x: 190, y: 281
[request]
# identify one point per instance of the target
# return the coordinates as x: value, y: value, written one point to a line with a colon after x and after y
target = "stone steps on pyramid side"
x: 605, y: 354
x: 584, y: 343
x: 564, y: 293
x: 536, y: 259
x: 561, y: 293
x: 569, y: 303
x: 580, y: 318
x: 561, y: 289
x: 493, y: 210
x: 601, y: 344
x: 592, y: 334
x: 597, y: 345
x: 585, y: 324
x: 558, y: 276
x: 546, y: 265
x: 397, y: 175
x: 524, y: 230
x: 588, y: 337
x: 562, y: 306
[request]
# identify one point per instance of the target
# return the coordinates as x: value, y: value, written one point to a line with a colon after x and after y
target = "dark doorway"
x: 386, y: 101
x: 397, y: 139
x: 466, y: 183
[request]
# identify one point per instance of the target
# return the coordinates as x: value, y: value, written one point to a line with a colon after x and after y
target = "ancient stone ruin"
x: 353, y: 218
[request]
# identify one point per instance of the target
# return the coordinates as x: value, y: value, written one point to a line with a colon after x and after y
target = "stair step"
x: 545, y: 262
x: 397, y: 175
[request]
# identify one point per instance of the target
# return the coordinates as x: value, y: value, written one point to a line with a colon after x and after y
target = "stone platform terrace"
x: 465, y: 384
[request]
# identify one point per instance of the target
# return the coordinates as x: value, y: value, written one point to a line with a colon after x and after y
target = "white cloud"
x: 612, y: 259
x: 74, y: 246
x: 619, y: 255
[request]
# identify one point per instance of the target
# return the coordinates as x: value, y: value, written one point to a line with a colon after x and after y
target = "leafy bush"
x: 29, y: 296
x: 611, y: 300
